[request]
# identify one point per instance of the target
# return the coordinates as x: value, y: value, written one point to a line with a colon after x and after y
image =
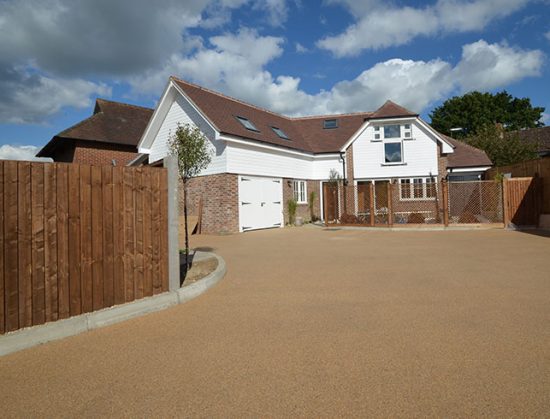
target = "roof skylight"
x: 330, y: 123
x: 247, y: 124
x: 280, y: 133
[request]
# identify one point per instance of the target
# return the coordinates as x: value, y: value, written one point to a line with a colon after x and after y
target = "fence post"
x: 371, y: 203
x: 505, y: 202
x: 390, y: 206
x: 445, y: 194
x: 171, y: 164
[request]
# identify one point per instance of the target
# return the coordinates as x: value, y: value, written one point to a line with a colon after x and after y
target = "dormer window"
x: 280, y: 133
x: 330, y: 123
x: 247, y: 124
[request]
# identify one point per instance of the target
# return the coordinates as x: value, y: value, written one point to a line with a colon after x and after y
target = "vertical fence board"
x: 62, y: 211
x: 50, y: 245
x: 74, y: 241
x: 86, y: 279
x: 147, y: 239
x: 24, y: 243
x: 97, y: 237
x: 2, y: 306
x: 164, y: 229
x: 38, y: 268
x: 155, y: 231
x: 129, y: 234
x: 138, y: 263
x: 118, y: 235
x: 11, y: 296
x: 108, y: 243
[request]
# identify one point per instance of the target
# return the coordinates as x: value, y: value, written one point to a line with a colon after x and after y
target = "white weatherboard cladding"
x: 260, y: 203
x: 182, y: 112
x: 419, y: 156
x: 251, y: 160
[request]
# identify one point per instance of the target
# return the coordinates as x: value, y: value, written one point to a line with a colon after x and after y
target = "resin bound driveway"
x: 310, y: 322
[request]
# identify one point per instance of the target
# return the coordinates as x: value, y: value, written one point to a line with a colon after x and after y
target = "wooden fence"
x: 531, y: 168
x: 78, y: 238
x: 522, y: 201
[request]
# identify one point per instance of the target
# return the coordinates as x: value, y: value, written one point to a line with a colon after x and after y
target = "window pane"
x: 280, y: 133
x: 392, y: 131
x: 418, y: 188
x: 377, y: 128
x: 392, y: 152
x: 247, y: 124
x: 405, y: 188
x: 376, y: 136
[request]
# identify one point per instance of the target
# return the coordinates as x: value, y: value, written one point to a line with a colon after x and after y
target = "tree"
x: 502, y: 149
x: 190, y: 147
x: 474, y: 110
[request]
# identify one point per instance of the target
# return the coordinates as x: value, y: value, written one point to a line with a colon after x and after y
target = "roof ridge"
x: 123, y: 104
x: 242, y: 102
x: 334, y: 115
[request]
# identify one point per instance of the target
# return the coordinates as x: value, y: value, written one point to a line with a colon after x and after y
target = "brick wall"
x: 349, y: 165
x: 220, y: 206
x: 303, y: 209
x: 442, y: 162
x: 87, y: 152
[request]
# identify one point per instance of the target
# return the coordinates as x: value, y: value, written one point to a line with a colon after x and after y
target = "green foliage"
x: 474, y: 110
x: 190, y: 147
x: 292, y: 205
x: 334, y: 176
x: 502, y: 149
x: 311, y: 204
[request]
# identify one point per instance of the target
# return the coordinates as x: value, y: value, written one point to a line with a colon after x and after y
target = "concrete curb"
x: 37, y: 335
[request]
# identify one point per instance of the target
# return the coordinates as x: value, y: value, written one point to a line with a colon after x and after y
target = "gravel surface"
x: 319, y: 323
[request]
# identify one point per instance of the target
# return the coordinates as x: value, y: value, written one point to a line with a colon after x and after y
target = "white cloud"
x: 547, y: 35
x: 20, y: 152
x: 27, y: 98
x: 300, y: 49
x: 49, y: 47
x: 487, y: 66
x: 381, y: 24
x: 236, y: 64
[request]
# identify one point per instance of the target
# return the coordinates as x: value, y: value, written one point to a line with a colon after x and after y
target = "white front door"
x: 260, y: 203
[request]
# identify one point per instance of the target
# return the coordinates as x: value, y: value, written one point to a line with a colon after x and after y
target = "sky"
x: 294, y: 57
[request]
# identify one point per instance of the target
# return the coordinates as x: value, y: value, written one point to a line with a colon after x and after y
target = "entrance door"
x: 381, y: 202
x: 330, y: 202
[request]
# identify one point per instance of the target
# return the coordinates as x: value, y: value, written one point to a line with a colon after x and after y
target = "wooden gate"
x: 522, y: 201
x: 330, y: 202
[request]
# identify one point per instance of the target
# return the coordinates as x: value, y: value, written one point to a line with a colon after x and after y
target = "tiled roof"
x: 305, y: 134
x: 466, y: 155
x: 391, y: 110
x: 112, y: 122
x: 539, y: 136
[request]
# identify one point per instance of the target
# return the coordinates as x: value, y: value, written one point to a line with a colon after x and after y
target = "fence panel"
x: 475, y: 202
x: 523, y: 201
x: 384, y: 203
x: 77, y: 238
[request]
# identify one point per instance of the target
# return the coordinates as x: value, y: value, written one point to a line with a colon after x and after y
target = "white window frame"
x: 388, y: 163
x: 411, y: 188
x: 300, y: 191
x: 405, y: 132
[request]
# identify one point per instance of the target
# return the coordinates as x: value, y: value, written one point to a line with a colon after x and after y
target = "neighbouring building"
x: 262, y: 159
x: 109, y: 136
x: 540, y: 137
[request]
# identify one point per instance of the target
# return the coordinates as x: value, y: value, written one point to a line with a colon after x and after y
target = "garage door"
x: 260, y: 203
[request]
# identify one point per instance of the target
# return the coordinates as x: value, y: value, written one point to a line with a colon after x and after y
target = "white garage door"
x: 260, y: 203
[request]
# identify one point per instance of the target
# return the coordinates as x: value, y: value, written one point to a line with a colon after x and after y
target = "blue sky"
x: 294, y: 57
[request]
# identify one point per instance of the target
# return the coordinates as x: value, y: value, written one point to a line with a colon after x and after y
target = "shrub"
x: 292, y: 205
x: 350, y: 219
x: 415, y: 218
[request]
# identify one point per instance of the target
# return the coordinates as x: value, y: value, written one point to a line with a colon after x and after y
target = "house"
x: 540, y: 137
x: 262, y: 159
x: 109, y: 136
